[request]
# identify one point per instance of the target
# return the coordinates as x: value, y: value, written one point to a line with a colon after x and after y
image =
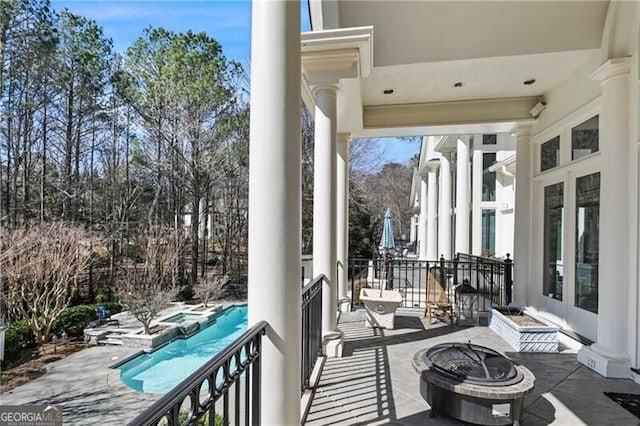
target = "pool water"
x: 182, y: 317
x: 160, y: 371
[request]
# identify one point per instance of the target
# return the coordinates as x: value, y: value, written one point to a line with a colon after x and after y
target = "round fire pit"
x: 473, y: 383
x: 472, y: 364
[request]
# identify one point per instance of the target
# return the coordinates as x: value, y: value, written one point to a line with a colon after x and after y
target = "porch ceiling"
x: 422, y: 48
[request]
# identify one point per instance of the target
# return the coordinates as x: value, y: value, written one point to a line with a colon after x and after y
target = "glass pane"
x: 488, y: 178
x: 489, y: 186
x: 584, y: 138
x: 550, y: 154
x: 489, y: 139
x: 488, y: 232
x: 553, y: 255
x: 587, y: 241
x: 488, y: 160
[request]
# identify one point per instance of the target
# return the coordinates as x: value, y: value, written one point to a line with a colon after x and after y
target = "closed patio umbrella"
x: 387, y: 243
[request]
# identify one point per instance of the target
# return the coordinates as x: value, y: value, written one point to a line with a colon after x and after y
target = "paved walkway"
x: 87, y: 390
x: 374, y: 383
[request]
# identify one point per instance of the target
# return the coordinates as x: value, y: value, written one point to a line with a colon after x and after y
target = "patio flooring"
x: 375, y: 383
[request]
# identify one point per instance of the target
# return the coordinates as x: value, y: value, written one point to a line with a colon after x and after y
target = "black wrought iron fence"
x: 492, y: 278
x: 311, y: 327
x: 226, y: 389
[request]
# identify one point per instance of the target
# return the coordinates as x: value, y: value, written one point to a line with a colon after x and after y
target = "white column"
x: 432, y: 210
x: 634, y: 214
x: 274, y: 204
x: 444, y: 220
x: 609, y: 355
x: 412, y: 230
x: 422, y: 220
x: 462, y: 195
x: 342, y: 217
x: 476, y: 201
x: 522, y: 218
x: 324, y: 203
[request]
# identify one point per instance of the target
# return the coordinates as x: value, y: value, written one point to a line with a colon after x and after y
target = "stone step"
x: 111, y: 341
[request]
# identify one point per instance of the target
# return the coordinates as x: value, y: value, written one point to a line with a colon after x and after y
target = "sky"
x: 229, y: 22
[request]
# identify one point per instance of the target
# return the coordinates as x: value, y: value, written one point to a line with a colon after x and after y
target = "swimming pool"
x: 160, y: 371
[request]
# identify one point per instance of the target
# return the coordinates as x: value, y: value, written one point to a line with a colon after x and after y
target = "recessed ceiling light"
x: 387, y: 91
x: 529, y: 82
x: 458, y: 84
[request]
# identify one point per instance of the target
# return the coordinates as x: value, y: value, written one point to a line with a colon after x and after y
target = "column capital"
x: 331, y: 89
x: 446, y: 153
x: 432, y: 164
x: 465, y: 138
x: 523, y: 130
x: 329, y: 56
x: 428, y: 166
x: 343, y: 137
x: 613, y: 68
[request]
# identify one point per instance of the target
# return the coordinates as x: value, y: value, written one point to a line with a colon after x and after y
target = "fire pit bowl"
x: 473, y: 383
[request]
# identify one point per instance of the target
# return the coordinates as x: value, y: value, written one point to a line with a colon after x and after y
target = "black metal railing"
x: 492, y: 278
x: 489, y: 276
x: 226, y: 389
x: 311, y: 327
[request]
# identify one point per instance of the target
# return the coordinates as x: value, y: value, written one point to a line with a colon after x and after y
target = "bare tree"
x: 146, y: 287
x: 141, y: 298
x: 366, y: 155
x: 210, y: 288
x: 40, y: 267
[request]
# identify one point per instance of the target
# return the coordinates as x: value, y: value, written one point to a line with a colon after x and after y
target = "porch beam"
x: 449, y: 113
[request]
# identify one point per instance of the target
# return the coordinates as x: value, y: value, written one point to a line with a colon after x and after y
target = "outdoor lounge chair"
x: 437, y: 300
x: 104, y: 316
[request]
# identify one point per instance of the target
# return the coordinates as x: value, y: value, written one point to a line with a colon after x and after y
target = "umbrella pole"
x: 384, y: 270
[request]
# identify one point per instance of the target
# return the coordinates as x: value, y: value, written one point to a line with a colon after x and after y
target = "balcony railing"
x: 492, y: 278
x: 226, y: 388
x: 311, y: 327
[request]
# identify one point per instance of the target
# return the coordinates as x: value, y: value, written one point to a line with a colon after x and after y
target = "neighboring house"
x: 218, y: 216
x: 473, y: 204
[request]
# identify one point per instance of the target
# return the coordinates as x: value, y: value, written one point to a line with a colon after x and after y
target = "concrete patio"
x: 374, y: 383
x: 87, y: 390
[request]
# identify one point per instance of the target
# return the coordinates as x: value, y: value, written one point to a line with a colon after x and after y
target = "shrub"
x: 186, y: 293
x: 17, y: 338
x: 203, y: 421
x: 74, y: 319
